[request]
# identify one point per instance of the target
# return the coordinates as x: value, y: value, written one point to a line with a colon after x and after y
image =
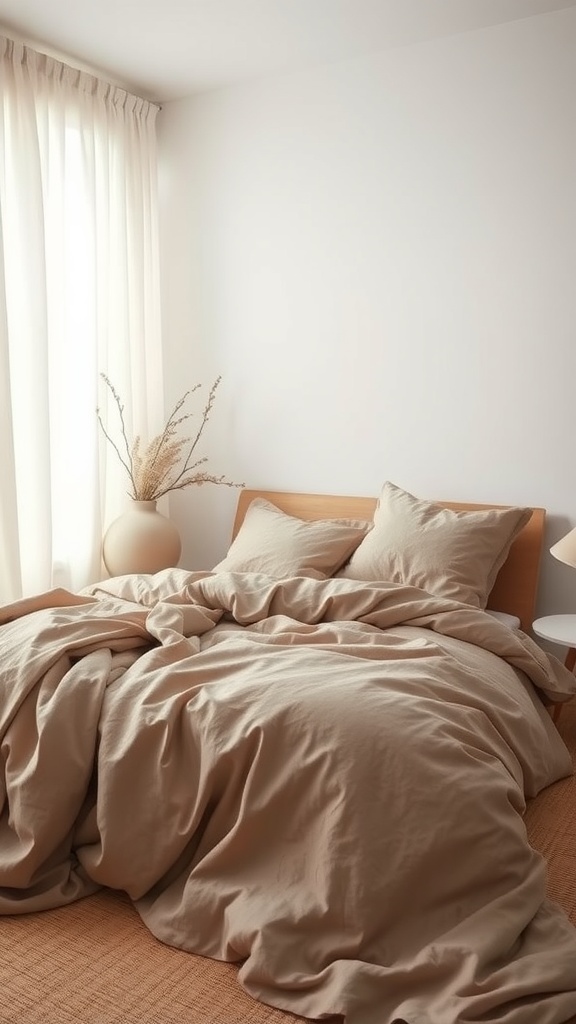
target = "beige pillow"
x: 451, y: 554
x: 279, y: 545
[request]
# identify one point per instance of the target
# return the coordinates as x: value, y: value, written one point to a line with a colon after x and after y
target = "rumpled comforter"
x: 322, y: 780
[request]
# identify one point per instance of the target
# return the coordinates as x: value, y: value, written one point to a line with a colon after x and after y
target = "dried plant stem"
x: 155, y: 471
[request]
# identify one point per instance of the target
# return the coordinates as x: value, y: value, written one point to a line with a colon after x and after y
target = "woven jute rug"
x: 551, y: 823
x: 95, y: 962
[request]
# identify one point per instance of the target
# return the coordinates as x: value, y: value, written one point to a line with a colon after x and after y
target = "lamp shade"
x: 565, y: 549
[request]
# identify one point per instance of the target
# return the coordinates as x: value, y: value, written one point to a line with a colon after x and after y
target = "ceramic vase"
x: 141, y: 540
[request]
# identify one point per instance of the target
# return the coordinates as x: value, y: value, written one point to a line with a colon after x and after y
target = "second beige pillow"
x: 451, y: 554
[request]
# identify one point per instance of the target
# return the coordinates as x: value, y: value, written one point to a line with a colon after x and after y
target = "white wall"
x: 380, y: 258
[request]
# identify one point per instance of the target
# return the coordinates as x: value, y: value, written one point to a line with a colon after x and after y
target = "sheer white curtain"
x: 79, y: 296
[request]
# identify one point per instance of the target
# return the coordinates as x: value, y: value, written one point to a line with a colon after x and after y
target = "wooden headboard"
x: 516, y: 586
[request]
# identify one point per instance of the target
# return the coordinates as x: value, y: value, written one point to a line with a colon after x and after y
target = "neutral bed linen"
x: 324, y: 780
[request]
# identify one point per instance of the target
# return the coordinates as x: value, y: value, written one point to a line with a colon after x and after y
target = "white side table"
x: 559, y: 629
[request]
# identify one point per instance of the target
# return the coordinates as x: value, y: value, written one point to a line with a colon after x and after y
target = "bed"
x: 297, y: 785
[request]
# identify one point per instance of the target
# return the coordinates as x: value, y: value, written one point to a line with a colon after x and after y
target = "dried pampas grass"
x: 167, y: 463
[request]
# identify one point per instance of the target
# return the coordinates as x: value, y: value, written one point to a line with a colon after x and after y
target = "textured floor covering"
x: 551, y: 824
x: 96, y: 963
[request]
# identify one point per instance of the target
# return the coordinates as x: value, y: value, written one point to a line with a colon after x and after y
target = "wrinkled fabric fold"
x: 322, y: 780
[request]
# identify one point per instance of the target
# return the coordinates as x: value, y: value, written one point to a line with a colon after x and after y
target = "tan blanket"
x: 324, y: 780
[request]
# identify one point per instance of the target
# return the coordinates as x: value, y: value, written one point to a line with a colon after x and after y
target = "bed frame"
x: 96, y: 960
x: 516, y: 586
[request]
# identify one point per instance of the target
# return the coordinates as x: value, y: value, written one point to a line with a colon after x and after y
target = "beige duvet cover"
x: 323, y: 780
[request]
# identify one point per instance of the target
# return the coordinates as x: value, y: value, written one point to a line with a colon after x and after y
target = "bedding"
x: 323, y: 780
x: 454, y: 554
x: 509, y: 620
x: 271, y: 542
